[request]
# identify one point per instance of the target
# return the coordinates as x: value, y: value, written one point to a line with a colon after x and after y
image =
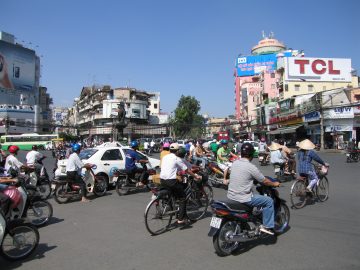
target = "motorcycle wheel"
x: 282, y: 218
x: 19, y: 242
x: 121, y: 183
x: 39, y: 213
x: 158, y: 216
x: 61, y: 194
x: 100, y: 186
x: 298, y: 194
x: 44, y: 190
x: 322, y: 189
x: 214, y: 180
x: 223, y: 247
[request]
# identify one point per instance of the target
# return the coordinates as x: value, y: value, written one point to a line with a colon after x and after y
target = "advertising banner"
x: 17, y: 67
x: 310, y: 117
x: 255, y: 64
x: 318, y: 69
x: 332, y: 125
x: 339, y: 113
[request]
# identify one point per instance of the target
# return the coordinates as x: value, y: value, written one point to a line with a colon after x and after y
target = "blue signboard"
x: 255, y: 64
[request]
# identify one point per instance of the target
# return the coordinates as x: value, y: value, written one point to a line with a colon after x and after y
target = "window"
x: 155, y: 106
x: 112, y: 154
x: 310, y: 88
x: 297, y: 87
x: 272, y: 75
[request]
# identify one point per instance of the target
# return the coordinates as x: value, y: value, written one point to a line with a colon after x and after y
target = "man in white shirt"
x: 33, y: 156
x: 170, y: 165
x: 73, y: 170
x: 146, y: 146
x: 12, y: 163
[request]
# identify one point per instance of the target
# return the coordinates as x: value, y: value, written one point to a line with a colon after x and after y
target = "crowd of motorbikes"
x: 231, y: 224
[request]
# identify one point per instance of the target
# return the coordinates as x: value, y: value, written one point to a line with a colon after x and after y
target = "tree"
x: 186, y: 121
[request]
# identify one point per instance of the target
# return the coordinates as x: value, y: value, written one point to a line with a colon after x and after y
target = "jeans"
x: 267, y: 205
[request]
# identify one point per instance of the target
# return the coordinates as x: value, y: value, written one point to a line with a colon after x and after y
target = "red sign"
x: 318, y: 66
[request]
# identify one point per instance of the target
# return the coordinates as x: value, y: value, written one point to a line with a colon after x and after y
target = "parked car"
x: 106, y: 159
x: 181, y: 143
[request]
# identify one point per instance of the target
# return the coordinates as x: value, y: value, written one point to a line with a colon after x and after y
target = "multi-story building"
x: 24, y: 107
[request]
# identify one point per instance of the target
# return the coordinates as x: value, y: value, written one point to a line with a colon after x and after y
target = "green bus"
x: 26, y: 141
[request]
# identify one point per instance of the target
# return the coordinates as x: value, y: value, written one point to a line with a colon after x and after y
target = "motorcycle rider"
x: 290, y: 158
x: 165, y: 151
x: 200, y: 153
x: 131, y: 158
x: 73, y: 170
x: 305, y: 156
x: 12, y: 163
x: 276, y: 156
x: 171, y: 164
x: 223, y: 155
x: 243, y: 173
x: 32, y: 157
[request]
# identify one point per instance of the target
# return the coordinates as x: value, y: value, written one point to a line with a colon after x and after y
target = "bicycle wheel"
x: 322, y: 189
x: 19, y: 242
x: 158, y: 216
x: 298, y: 194
x: 196, y: 204
x: 209, y: 192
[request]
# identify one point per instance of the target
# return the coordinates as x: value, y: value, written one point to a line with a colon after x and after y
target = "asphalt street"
x: 109, y: 233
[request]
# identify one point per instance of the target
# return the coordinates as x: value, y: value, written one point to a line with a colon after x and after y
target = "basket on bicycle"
x: 322, y: 170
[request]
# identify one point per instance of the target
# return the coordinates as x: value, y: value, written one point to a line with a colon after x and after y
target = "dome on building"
x: 268, y: 45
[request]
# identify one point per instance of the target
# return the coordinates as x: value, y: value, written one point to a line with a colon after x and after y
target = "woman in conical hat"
x: 306, y: 155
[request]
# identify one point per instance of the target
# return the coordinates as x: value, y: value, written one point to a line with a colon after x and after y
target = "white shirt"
x: 146, y: 145
x: 152, y: 143
x: 12, y: 161
x: 170, y: 164
x: 74, y: 163
x: 192, y: 149
x: 32, y: 156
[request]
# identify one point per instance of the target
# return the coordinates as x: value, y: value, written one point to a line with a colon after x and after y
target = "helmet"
x: 13, y: 149
x: 247, y: 150
x: 134, y: 144
x: 181, y: 152
x: 174, y: 146
x: 166, y: 145
x: 76, y: 147
x: 34, y: 147
x: 224, y: 141
x: 263, y: 139
x: 281, y: 141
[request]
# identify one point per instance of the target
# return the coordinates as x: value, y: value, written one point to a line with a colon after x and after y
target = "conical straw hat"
x: 306, y: 145
x: 274, y: 146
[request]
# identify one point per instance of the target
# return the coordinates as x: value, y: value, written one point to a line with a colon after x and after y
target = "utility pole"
x: 321, y: 123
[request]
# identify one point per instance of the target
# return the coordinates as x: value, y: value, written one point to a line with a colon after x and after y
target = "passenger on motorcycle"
x: 276, y: 156
x: 243, y: 174
x: 214, y: 147
x: 131, y: 158
x: 306, y: 155
x: 171, y: 165
x: 12, y: 164
x: 165, y: 151
x: 73, y: 170
x: 223, y: 155
x: 200, y: 153
x: 290, y: 158
x: 262, y: 146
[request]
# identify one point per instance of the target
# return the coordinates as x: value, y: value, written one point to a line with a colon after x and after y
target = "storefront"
x: 338, y: 123
x: 312, y: 125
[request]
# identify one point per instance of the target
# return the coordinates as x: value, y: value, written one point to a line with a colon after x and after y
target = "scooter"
x: 264, y: 158
x: 39, y: 179
x: 26, y: 203
x: 18, y: 239
x: 126, y: 182
x: 65, y: 190
x: 234, y: 223
x: 281, y: 176
x: 352, y: 156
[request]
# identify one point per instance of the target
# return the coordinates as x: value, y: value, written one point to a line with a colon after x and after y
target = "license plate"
x: 277, y: 170
x: 348, y: 155
x: 63, y: 170
x: 215, y: 222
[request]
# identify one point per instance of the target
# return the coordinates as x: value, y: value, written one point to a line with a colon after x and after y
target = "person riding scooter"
x: 131, y: 158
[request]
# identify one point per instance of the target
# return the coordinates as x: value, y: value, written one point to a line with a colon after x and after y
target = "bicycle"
x: 299, y: 195
x: 164, y: 206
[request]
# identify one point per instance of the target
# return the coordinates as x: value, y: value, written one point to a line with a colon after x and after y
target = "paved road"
x: 109, y: 233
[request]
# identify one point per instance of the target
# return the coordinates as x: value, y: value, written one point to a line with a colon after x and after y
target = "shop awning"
x: 284, y: 130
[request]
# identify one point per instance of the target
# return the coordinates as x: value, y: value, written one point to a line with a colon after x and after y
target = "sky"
x: 185, y: 47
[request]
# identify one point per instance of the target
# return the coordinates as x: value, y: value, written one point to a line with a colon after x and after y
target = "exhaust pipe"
x: 243, y: 237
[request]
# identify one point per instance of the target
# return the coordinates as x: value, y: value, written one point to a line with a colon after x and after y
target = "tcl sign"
x: 318, y: 69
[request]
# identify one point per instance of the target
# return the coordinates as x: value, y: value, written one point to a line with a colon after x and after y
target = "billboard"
x: 318, y: 69
x: 17, y: 67
x: 255, y: 64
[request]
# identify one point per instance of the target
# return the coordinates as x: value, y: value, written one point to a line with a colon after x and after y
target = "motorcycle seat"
x: 235, y: 206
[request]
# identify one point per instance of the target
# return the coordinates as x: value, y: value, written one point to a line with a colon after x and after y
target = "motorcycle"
x: 65, y: 190
x: 352, y: 156
x: 216, y: 174
x: 281, y: 176
x: 26, y: 203
x: 126, y: 182
x: 39, y: 179
x: 18, y: 239
x: 264, y: 158
x: 234, y: 223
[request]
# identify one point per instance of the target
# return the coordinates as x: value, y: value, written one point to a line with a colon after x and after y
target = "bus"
x: 26, y: 141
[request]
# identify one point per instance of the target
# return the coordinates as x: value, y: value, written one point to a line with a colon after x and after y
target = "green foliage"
x: 67, y: 136
x: 186, y: 121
